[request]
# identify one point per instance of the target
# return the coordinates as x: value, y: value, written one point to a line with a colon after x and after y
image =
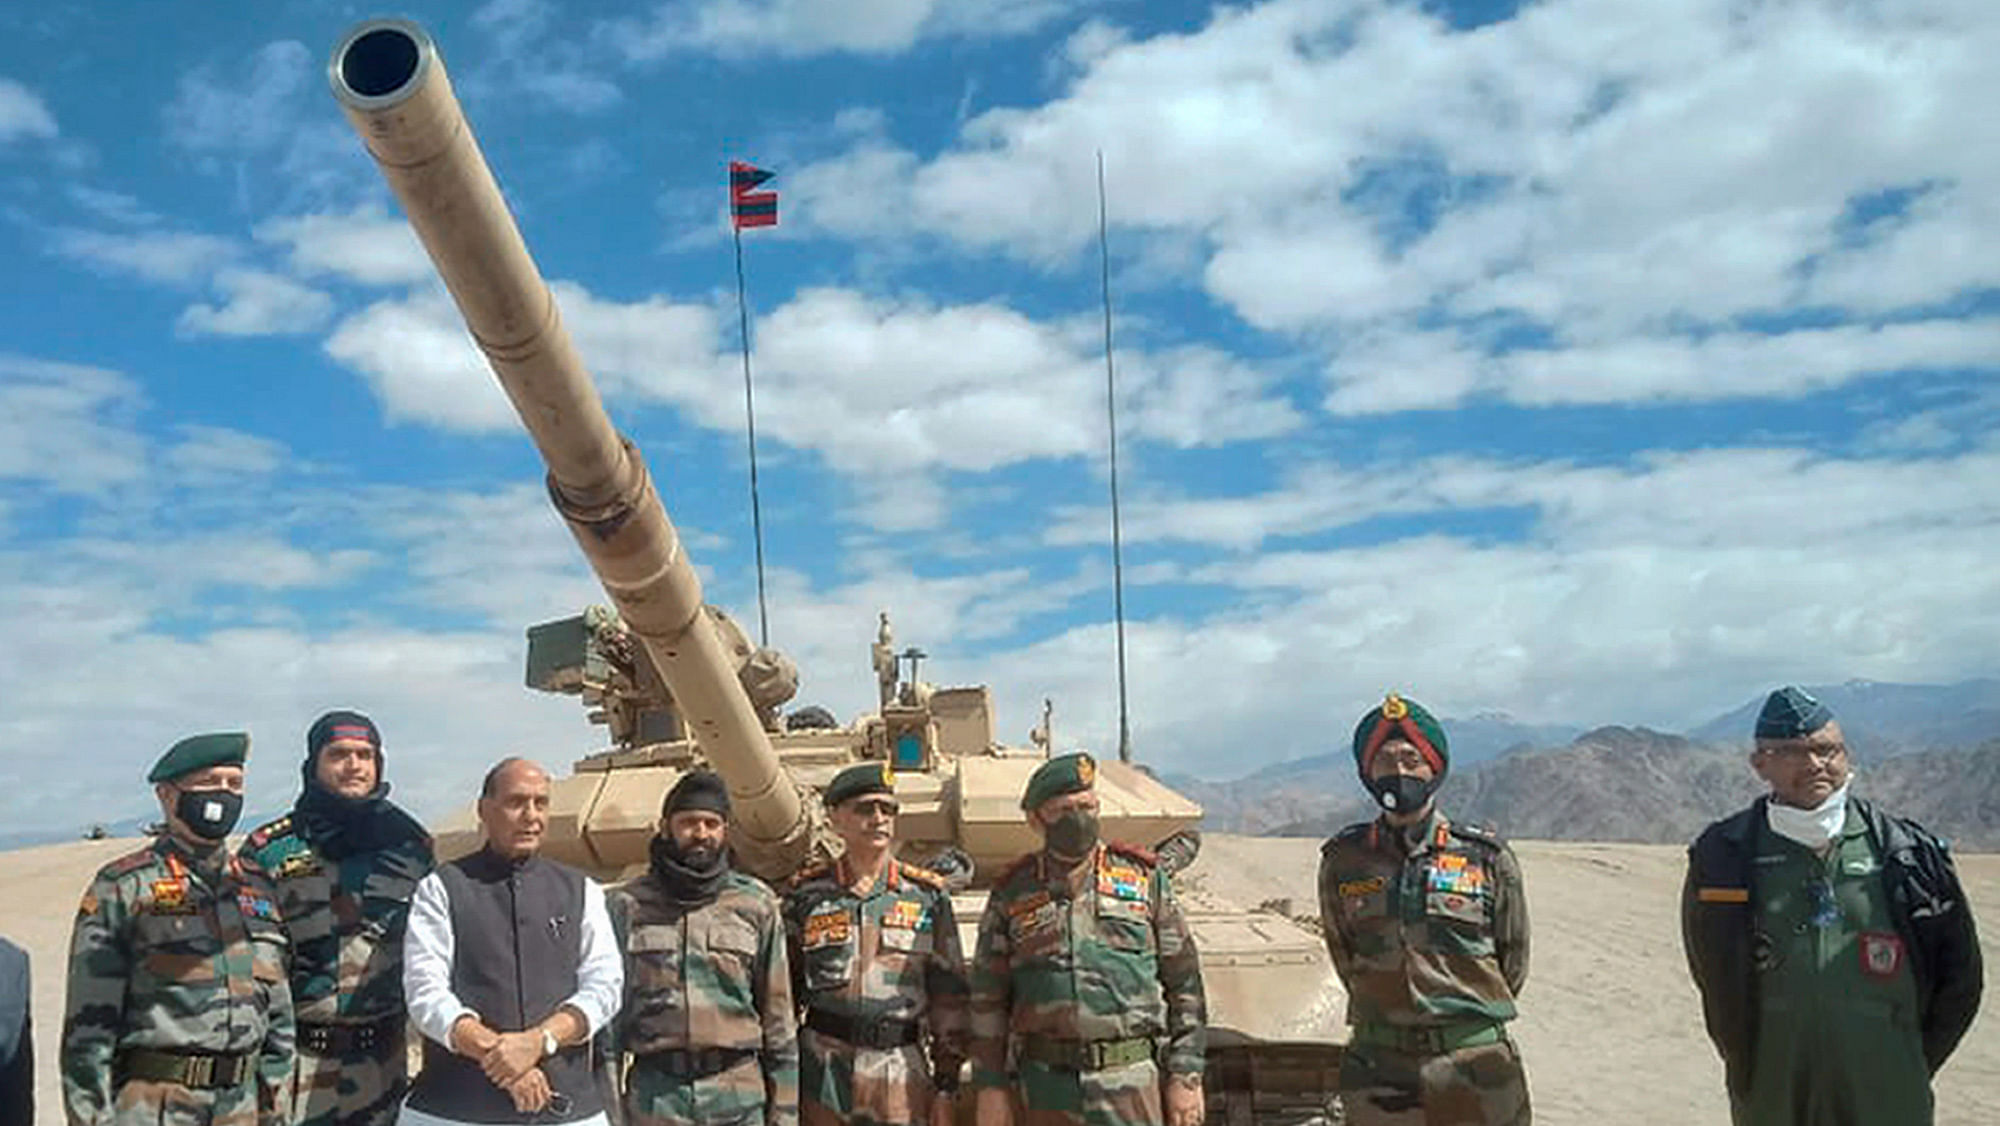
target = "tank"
x: 678, y: 685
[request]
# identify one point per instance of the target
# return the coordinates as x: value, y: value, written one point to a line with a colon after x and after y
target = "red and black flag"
x: 748, y: 207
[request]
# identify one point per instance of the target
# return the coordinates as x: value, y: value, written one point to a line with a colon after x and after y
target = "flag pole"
x: 750, y: 416
x: 1111, y: 415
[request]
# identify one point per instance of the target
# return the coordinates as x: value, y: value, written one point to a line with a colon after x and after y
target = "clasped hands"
x: 510, y: 1059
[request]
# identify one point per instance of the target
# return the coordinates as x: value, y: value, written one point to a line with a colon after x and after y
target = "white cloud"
x: 535, y: 58
x: 174, y: 257
x: 879, y: 387
x: 217, y: 455
x: 1626, y: 178
x: 800, y: 28
x: 257, y: 303
x: 60, y: 425
x: 23, y: 113
x: 366, y: 246
x: 1434, y: 372
x: 253, y: 109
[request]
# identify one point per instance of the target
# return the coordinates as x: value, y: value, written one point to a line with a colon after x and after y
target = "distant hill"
x: 1300, y: 788
x: 1882, y: 720
x: 1631, y: 784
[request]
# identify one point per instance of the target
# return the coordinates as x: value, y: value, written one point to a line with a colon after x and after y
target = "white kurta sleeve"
x: 427, y: 954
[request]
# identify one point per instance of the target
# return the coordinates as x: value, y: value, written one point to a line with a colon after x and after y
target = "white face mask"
x: 1813, y: 827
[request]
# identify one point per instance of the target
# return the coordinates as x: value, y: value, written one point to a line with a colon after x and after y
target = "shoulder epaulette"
x: 921, y: 875
x: 755, y: 887
x: 1353, y: 832
x: 1143, y: 855
x: 1479, y: 834
x: 265, y: 834
x: 130, y: 862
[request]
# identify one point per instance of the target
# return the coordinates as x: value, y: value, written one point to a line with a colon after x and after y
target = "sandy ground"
x: 1610, y: 1025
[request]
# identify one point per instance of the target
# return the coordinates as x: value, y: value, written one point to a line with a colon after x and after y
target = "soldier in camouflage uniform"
x: 1086, y: 966
x: 708, y: 1023
x: 346, y: 862
x: 1428, y: 926
x: 178, y: 1009
x: 875, y: 962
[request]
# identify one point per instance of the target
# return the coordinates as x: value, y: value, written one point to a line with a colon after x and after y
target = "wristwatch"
x: 549, y: 1044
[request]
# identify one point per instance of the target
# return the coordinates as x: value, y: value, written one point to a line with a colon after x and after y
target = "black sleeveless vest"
x: 517, y: 934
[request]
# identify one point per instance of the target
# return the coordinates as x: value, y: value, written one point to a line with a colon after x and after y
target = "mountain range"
x: 1930, y: 752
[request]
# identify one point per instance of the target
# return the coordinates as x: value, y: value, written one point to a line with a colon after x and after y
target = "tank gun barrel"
x: 391, y: 83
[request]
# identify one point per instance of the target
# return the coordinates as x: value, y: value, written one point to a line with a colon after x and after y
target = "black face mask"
x: 1073, y: 834
x: 1402, y: 793
x: 209, y: 814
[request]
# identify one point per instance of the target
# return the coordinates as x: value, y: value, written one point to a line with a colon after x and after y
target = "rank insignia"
x: 1881, y: 954
x: 169, y: 895
x: 297, y: 864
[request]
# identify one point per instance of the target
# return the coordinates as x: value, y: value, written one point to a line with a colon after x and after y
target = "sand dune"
x: 1609, y: 1021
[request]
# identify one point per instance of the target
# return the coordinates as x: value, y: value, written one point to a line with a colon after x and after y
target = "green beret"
x: 863, y: 778
x: 1396, y: 717
x: 1068, y: 774
x: 197, y: 752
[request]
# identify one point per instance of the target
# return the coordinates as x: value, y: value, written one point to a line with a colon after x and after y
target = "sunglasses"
x: 872, y: 808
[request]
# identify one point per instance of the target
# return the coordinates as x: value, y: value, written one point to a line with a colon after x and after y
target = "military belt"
x: 1086, y: 1055
x: 864, y: 1032
x: 1429, y: 1040
x: 693, y: 1063
x: 375, y: 1039
x: 203, y: 1071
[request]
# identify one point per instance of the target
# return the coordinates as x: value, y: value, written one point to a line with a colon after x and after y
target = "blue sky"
x: 1590, y: 361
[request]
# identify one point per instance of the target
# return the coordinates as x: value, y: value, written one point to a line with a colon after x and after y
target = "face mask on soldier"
x: 209, y: 814
x: 1073, y: 833
x: 1402, y: 793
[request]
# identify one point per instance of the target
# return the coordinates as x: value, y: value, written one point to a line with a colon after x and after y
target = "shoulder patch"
x: 808, y: 874
x: 1143, y: 855
x: 920, y: 875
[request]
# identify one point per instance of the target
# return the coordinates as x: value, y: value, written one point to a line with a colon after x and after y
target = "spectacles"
x: 1824, y: 752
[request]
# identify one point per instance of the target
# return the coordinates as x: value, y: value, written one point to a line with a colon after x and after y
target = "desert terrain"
x: 1609, y: 1025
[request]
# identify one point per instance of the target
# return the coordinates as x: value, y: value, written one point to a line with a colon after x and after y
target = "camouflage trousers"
x: 730, y: 1098
x: 351, y: 1090
x: 1483, y: 1085
x: 841, y: 1085
x: 1116, y: 1096
x: 140, y: 1102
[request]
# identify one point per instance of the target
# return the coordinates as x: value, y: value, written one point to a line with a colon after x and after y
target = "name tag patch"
x: 826, y: 928
x: 1355, y: 889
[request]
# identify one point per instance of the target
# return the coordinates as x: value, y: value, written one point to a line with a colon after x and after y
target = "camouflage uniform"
x: 888, y: 962
x: 707, y: 1018
x: 1428, y: 927
x: 345, y: 920
x: 1093, y: 974
x: 175, y: 954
